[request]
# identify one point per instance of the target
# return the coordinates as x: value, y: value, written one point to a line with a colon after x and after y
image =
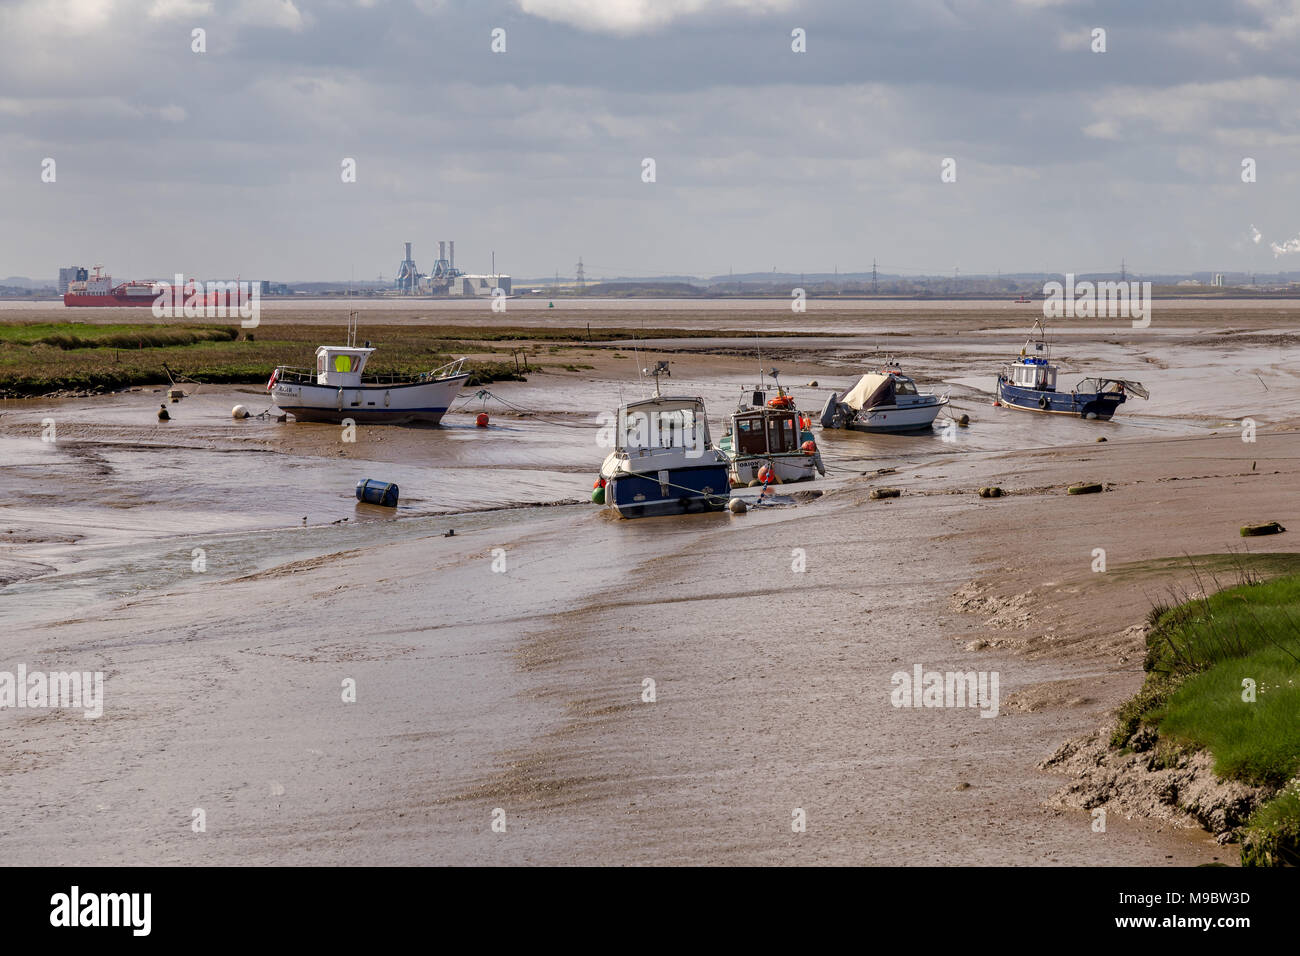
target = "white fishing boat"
x: 768, y: 436
x: 884, y: 401
x: 338, y: 388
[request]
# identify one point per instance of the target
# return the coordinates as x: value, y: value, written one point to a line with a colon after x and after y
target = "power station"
x: 444, y: 278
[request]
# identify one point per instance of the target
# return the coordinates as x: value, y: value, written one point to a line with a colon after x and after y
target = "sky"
x: 231, y: 161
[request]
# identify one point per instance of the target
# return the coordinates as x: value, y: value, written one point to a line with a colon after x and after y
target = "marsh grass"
x: 1209, y: 652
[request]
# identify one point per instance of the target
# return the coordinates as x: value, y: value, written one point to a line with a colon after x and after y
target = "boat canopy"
x: 872, y: 389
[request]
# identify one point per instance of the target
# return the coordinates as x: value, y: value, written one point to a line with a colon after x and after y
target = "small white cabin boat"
x: 338, y: 389
x: 887, y: 401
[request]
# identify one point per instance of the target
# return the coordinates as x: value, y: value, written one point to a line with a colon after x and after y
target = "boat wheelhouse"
x: 664, y: 461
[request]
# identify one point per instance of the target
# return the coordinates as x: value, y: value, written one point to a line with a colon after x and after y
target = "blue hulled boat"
x: 1030, y: 383
x: 663, y: 462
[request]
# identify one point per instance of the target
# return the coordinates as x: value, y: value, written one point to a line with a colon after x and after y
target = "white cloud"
x: 177, y: 9
x: 1281, y: 24
x: 269, y: 13
x: 1255, y: 234
x: 1285, y: 248
x: 1102, y: 129
x: 637, y: 16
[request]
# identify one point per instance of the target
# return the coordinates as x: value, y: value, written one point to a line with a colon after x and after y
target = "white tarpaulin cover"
x: 872, y: 389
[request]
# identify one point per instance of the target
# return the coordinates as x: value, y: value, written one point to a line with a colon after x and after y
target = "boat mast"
x: 1041, y: 345
x: 352, y: 319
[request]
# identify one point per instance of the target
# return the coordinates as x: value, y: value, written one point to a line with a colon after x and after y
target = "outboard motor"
x: 829, y: 410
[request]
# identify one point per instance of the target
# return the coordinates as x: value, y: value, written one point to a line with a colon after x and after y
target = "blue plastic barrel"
x: 374, y: 492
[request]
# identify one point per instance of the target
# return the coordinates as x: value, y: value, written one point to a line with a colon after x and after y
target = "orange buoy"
x: 809, y: 447
x: 765, y: 474
x: 482, y: 420
x: 598, y: 483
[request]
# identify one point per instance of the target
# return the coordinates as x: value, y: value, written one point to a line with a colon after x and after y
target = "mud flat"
x: 505, y: 667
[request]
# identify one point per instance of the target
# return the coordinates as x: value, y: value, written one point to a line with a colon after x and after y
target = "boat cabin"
x: 657, y: 425
x: 1034, y: 373
x: 340, y: 366
x: 765, y: 433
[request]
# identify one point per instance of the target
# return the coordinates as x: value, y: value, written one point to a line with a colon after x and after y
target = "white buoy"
x: 737, y: 506
x: 239, y: 411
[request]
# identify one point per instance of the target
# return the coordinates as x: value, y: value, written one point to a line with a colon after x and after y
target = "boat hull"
x: 788, y: 467
x: 671, y: 491
x: 423, y: 402
x: 72, y: 300
x: 904, y: 418
x: 1098, y: 406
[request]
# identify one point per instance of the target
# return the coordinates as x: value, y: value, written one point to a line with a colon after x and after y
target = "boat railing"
x: 296, y: 375
x: 453, y: 368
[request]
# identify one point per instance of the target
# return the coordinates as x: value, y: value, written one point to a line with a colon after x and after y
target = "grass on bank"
x: 41, y: 357
x: 1206, y: 658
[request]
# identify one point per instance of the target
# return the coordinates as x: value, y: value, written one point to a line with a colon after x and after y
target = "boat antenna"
x: 661, y: 368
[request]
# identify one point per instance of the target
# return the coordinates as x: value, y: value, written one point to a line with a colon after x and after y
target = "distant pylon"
x: 873, y: 274
x: 580, y: 275
x: 1123, y: 270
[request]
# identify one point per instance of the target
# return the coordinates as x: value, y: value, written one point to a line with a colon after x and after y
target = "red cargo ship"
x: 98, y: 290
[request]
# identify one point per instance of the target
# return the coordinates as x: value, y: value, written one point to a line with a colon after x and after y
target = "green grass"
x: 41, y: 357
x: 1203, y: 655
x: 1272, y: 836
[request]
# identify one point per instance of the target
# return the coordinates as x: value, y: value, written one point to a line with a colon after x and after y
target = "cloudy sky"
x: 229, y: 162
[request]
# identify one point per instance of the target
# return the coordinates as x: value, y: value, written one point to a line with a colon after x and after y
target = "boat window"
x: 904, y: 388
x: 750, y: 439
x: 650, y: 428
x: 781, y: 434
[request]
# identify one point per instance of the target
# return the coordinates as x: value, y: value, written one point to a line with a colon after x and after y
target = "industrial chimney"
x: 408, y: 252
x: 452, y: 245
x: 442, y: 250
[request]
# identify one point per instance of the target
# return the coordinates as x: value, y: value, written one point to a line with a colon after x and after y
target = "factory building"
x: 444, y: 278
x: 478, y: 285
